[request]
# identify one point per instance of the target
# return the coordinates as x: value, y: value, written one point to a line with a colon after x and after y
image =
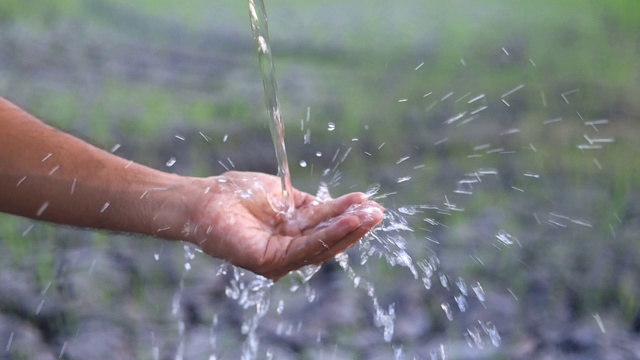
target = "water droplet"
x: 245, y: 194
x: 491, y: 330
x: 477, y: 289
x: 8, y: 347
x: 205, y: 137
x: 303, y: 163
x: 447, y: 310
x: 407, y: 210
x: 427, y: 283
x: 27, y: 230
x: 444, y: 281
x: 64, y: 347
x: 104, y: 207
x: 280, y: 307
x: 505, y: 237
x: 310, y: 292
x: 462, y: 302
x: 171, y: 161
x: 21, y: 180
x: 319, y: 154
x: 403, y: 159
x: 373, y: 189
x: 331, y: 126
x: 462, y: 286
x: 474, y: 338
x: 42, y: 208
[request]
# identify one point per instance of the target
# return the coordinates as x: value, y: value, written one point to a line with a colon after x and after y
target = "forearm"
x: 49, y: 175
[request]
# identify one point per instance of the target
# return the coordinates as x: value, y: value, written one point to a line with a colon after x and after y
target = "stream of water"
x: 260, y: 32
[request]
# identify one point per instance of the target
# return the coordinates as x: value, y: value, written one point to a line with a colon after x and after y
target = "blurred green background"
x: 522, y: 114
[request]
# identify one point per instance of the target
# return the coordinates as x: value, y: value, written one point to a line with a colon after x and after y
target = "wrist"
x: 171, y: 209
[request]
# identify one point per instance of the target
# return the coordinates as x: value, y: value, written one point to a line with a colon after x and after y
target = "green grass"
x: 19, y: 246
x: 40, y: 13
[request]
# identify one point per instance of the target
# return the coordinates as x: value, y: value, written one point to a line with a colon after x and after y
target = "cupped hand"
x: 240, y: 218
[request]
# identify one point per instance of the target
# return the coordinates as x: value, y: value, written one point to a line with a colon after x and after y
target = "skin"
x: 49, y: 175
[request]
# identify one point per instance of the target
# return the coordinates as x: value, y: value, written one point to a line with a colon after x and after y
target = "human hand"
x: 236, y: 217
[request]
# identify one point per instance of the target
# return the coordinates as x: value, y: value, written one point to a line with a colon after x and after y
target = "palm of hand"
x: 240, y: 224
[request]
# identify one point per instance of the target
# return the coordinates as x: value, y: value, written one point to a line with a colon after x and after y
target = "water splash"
x: 252, y: 293
x: 382, y: 318
x: 387, y: 242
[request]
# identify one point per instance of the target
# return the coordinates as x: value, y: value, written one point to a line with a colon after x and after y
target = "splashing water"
x: 252, y: 294
x: 387, y: 242
x: 276, y: 125
x: 393, y: 248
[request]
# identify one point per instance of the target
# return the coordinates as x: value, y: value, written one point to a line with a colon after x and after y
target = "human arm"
x: 49, y: 175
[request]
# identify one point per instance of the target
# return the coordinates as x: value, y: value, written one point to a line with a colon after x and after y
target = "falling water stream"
x: 260, y: 32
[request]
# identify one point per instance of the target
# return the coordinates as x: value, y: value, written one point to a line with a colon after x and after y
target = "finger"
x: 367, y: 211
x: 309, y: 246
x: 339, y: 235
x: 351, y: 239
x: 312, y: 215
x: 322, y: 244
x: 342, y: 234
x: 303, y: 250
